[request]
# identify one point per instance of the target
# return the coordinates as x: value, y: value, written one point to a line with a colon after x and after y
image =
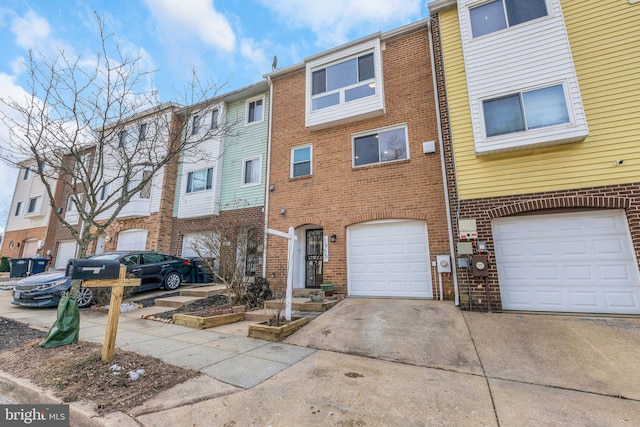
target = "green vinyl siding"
x: 245, y: 141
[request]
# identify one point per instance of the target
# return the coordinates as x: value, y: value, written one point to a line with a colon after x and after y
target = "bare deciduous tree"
x: 100, y: 131
x: 230, y: 250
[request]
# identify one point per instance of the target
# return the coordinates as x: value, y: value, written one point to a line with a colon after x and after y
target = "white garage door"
x: 66, y: 251
x: 570, y: 262
x: 389, y: 259
x: 132, y: 240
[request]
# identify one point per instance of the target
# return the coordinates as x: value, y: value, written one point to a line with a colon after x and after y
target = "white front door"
x: 30, y: 248
x: 389, y: 258
x: 132, y: 240
x: 568, y: 262
x: 66, y: 251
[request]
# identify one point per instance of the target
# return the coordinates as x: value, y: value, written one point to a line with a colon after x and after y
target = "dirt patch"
x: 204, y: 307
x: 75, y: 372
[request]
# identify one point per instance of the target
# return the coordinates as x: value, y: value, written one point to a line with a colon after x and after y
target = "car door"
x: 154, y: 269
x: 134, y: 269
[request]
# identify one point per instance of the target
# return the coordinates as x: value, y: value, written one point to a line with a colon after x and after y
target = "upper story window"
x: 104, y: 192
x: 71, y: 202
x: 301, y: 161
x: 145, y: 192
x: 123, y: 138
x: 499, y: 14
x: 18, y: 210
x: 196, y: 124
x: 251, y: 171
x: 214, y: 119
x: 525, y: 110
x: 33, y: 205
x: 142, y: 132
x: 26, y: 174
x: 200, y: 180
x: 255, y: 110
x: 381, y: 146
x: 343, y: 82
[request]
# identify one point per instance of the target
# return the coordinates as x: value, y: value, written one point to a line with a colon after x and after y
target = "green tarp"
x: 66, y: 328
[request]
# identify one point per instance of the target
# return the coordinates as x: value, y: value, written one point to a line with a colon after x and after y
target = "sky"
x: 228, y: 42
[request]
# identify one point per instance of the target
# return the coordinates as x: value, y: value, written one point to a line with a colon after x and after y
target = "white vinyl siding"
x: 529, y: 56
x: 345, y: 112
x: 567, y: 262
x: 389, y: 258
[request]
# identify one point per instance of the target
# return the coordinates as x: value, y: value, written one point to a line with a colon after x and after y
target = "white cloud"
x: 31, y: 30
x: 194, y: 18
x: 332, y: 21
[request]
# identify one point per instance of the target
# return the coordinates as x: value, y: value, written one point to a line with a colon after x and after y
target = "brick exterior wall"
x: 338, y: 195
x: 18, y: 238
x: 180, y: 227
x: 622, y: 196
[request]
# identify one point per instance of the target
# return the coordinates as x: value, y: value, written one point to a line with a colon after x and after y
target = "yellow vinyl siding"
x: 606, y: 55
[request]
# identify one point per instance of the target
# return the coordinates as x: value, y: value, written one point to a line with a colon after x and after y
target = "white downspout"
x: 444, y: 170
x: 268, y: 182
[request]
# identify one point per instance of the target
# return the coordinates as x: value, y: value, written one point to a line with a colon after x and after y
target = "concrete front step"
x: 204, y: 291
x: 302, y: 304
x: 175, y: 302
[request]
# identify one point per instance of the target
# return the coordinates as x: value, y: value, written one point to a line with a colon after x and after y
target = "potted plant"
x: 327, y: 288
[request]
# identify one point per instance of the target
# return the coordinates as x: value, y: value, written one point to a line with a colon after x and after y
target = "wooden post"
x: 117, y: 290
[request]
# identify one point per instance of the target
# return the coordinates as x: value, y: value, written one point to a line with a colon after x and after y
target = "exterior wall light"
x: 333, y: 238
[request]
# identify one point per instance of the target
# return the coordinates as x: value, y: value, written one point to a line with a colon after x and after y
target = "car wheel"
x: 172, y: 281
x: 85, y: 296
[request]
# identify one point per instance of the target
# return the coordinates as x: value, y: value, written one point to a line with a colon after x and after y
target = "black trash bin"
x: 199, y: 271
x: 19, y: 267
x: 38, y: 265
x: 4, y: 264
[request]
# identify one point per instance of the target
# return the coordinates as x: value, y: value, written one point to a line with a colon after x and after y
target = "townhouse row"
x: 486, y: 155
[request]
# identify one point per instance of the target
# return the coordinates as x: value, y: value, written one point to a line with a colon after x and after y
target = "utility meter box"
x: 468, y: 229
x: 90, y: 269
x: 444, y: 263
x: 465, y: 248
x: 480, y: 265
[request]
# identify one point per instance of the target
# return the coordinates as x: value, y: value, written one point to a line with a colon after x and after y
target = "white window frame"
x: 506, y: 18
x: 356, y: 109
x: 567, y: 101
x: 292, y: 163
x: 37, y: 200
x: 71, y: 207
x: 248, y: 106
x: 26, y: 174
x: 142, y: 131
x: 103, y: 193
x: 342, y: 91
x: 123, y: 138
x: 18, y: 209
x: 379, y: 131
x: 145, y: 192
x: 189, y: 175
x: 244, y: 171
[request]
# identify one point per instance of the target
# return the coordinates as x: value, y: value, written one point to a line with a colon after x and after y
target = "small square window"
x: 200, y: 180
x: 380, y: 147
x: 251, y: 171
x: 34, y: 205
x: 301, y: 161
x: 255, y: 111
x: 18, y: 210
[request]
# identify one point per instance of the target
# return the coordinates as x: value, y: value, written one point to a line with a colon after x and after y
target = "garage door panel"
x: 389, y: 258
x: 581, y: 261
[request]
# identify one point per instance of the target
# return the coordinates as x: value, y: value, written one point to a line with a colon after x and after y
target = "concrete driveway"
x: 388, y: 362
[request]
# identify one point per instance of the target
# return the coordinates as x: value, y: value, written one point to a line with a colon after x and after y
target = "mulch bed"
x: 204, y: 307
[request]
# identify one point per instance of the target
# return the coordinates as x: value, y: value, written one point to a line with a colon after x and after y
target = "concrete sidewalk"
x: 388, y: 362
